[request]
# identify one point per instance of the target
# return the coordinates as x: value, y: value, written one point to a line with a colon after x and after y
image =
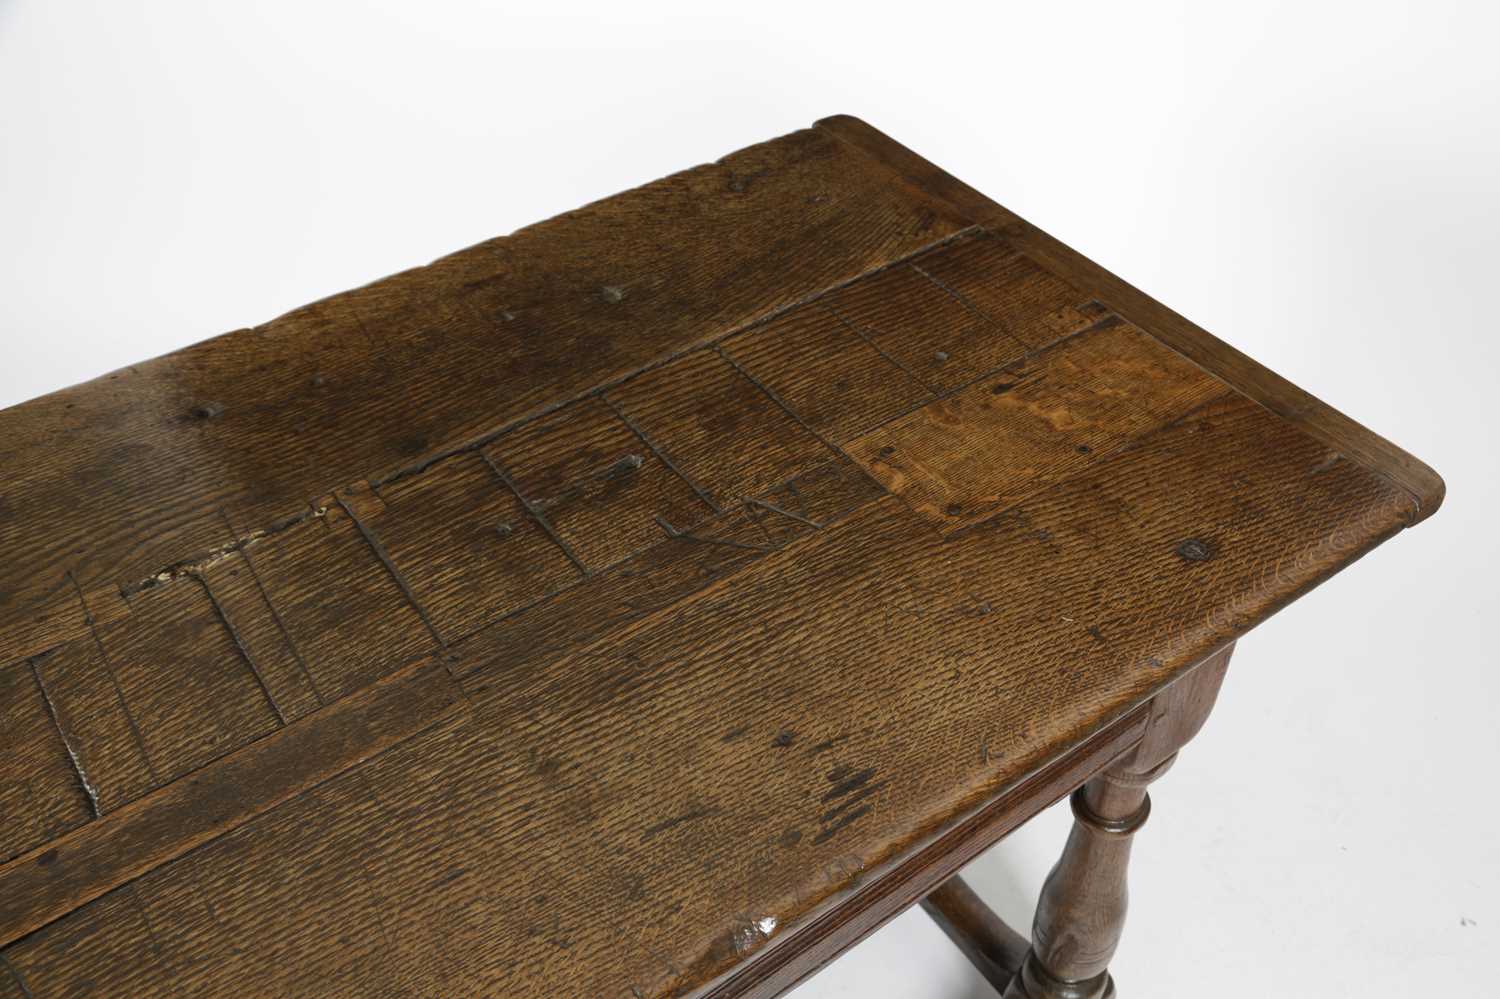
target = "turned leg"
x: 1082, y: 909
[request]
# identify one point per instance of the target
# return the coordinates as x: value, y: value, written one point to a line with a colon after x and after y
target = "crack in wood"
x: 536, y: 513
x: 194, y: 565
x: 390, y: 567
x: 188, y: 565
x: 239, y: 643
x: 115, y: 682
x: 676, y: 534
x: 755, y: 501
x: 660, y: 455
x: 89, y: 791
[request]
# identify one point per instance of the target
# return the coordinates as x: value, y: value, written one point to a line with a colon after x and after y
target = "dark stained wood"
x: 264, y: 419
x: 720, y: 430
x: 968, y: 456
x: 332, y: 593
x: 1082, y: 910
x: 261, y: 638
x: 1000, y: 283
x: 664, y: 573
x: 925, y: 328
x: 55, y: 879
x: 111, y: 933
x: 598, y: 484
x: 1266, y: 387
x: 651, y: 602
x: 467, y: 546
x: 188, y: 686
x: 838, y: 382
x: 40, y: 794
x: 995, y: 950
x: 877, y: 899
x: 102, y: 738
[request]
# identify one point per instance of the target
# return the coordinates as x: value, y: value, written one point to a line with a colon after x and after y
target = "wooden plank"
x: 599, y: 485
x: 47, y: 615
x: 190, y: 690
x: 966, y: 457
x: 261, y: 637
x: 717, y: 426
x: 161, y: 544
x: 468, y: 547
x: 912, y: 628
x: 739, y: 741
x: 40, y: 793
x: 51, y: 881
x: 308, y: 922
x: 110, y: 939
x: 881, y: 897
x: 12, y: 985
x: 189, y: 923
x: 816, y: 498
x: 101, y: 736
x: 1002, y: 284
x: 1271, y: 390
x: 871, y: 682
x: 836, y: 381
x: 924, y: 328
x: 669, y: 570
x: 342, y: 610
x: 260, y: 420
x: 648, y: 581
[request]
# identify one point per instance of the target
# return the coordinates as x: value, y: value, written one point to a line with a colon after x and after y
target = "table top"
x: 590, y: 610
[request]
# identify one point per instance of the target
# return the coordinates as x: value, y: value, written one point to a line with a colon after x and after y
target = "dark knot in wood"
x: 1195, y: 550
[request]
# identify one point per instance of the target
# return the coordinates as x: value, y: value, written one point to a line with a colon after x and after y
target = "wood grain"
x: 46, y: 883
x: 340, y: 606
x: 968, y: 456
x: 596, y: 780
x: 40, y: 794
x: 467, y: 545
x: 1081, y: 913
x: 997, y: 281
x: 597, y: 482
x: 724, y: 432
x: 264, y: 419
x: 1288, y: 401
x: 837, y: 381
x: 799, y: 956
x: 650, y: 602
x: 925, y: 328
x: 260, y: 636
x: 189, y: 688
x: 102, y: 737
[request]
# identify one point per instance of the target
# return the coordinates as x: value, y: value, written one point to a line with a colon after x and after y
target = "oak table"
x: 650, y: 602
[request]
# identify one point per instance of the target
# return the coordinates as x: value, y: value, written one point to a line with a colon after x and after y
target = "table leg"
x: 1081, y: 913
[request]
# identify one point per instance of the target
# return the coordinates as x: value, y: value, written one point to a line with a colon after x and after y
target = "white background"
x: 1315, y: 183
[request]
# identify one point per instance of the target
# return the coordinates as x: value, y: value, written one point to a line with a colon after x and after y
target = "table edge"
x: 1220, y: 359
x: 843, y: 922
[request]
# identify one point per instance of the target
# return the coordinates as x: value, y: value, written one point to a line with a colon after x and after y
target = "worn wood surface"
x: 1081, y: 914
x: 648, y: 602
